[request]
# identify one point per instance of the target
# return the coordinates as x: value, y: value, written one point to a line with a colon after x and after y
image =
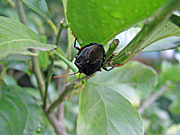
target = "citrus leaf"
x: 36, y: 117
x: 166, y: 36
x: 140, y: 41
x: 13, y: 113
x: 134, y: 80
x: 21, y: 46
x: 38, y: 6
x: 99, y: 21
x: 104, y: 111
x: 16, y: 38
x: 43, y: 59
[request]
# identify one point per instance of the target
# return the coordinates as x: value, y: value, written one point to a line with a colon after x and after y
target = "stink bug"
x: 89, y: 59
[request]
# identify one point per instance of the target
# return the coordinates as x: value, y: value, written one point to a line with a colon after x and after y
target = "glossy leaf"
x: 15, y: 39
x: 99, y: 21
x: 104, y: 111
x: 36, y: 117
x: 148, y: 31
x: 43, y: 59
x: 38, y: 6
x: 166, y: 36
x: 13, y: 113
x: 134, y: 80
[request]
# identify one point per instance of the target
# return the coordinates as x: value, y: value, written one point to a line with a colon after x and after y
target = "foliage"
x: 115, y: 102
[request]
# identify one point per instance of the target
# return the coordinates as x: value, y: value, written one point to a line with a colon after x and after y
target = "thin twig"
x: 60, y: 87
x: 35, y: 62
x: 48, y: 81
x: 152, y: 99
x: 62, y: 97
x: 61, y: 27
x: 21, y: 13
x: 12, y: 4
x: 51, y: 24
x: 52, y: 64
x: 59, y: 127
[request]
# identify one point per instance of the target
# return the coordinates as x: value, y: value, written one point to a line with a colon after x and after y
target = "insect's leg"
x: 75, y: 42
x: 66, y: 75
x: 113, y: 67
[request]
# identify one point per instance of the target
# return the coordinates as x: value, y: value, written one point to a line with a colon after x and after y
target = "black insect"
x: 89, y: 59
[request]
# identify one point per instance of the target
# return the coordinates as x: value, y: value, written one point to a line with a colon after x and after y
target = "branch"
x: 12, y: 4
x: 59, y: 128
x: 52, y: 63
x: 21, y: 13
x: 35, y: 62
x: 62, y: 97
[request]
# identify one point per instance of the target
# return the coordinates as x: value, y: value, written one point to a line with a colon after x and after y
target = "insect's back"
x: 90, y: 58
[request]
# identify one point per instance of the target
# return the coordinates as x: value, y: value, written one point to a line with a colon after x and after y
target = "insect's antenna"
x: 65, y: 75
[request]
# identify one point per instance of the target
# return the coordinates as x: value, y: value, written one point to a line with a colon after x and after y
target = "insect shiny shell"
x: 90, y: 58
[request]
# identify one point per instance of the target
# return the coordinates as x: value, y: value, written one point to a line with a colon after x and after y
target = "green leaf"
x: 105, y: 111
x: 166, y: 36
x: 36, y: 117
x: 20, y: 46
x: 15, y: 57
x: 38, y: 6
x: 99, y: 21
x: 43, y: 59
x: 134, y: 80
x: 13, y: 113
x: 9, y: 80
x: 140, y: 41
x: 16, y: 38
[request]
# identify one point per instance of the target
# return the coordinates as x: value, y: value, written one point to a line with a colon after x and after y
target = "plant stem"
x: 109, y: 53
x: 35, y: 63
x: 72, y: 67
x: 54, y: 28
x: 61, y: 27
x: 12, y: 4
x: 38, y: 74
x: 48, y: 81
x: 52, y: 64
x: 59, y: 127
x: 62, y: 97
x: 21, y: 13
